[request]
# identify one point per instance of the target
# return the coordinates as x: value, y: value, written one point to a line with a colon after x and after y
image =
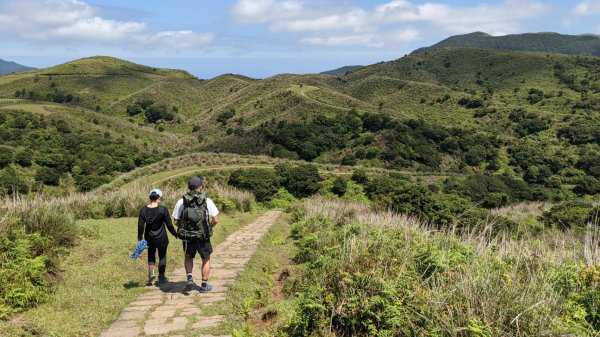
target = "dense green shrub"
x: 6, y: 156
x: 528, y: 123
x: 583, y: 130
x: 279, y: 151
x: 491, y: 191
x: 152, y: 113
x: 48, y: 176
x: 470, y: 103
x: 535, y: 95
x: 587, y: 185
x: 360, y: 176
x: 87, y: 183
x: 281, y: 199
x: 93, y: 158
x: 569, y: 214
x: 339, y: 186
x: 226, y: 116
x: 11, y: 182
x: 264, y: 183
x: 301, y: 181
x: 24, y: 157
x: 590, y: 161
x: 402, y: 196
x: 581, y: 286
x: 23, y: 270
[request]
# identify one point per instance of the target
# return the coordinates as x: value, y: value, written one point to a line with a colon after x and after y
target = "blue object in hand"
x: 139, y: 248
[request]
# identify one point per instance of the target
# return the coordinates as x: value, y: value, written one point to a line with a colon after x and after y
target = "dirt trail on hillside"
x: 168, y: 310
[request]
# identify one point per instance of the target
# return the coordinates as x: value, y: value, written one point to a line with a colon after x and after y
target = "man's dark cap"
x: 194, y: 183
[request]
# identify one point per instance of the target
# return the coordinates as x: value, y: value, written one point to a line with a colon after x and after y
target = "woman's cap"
x: 157, y: 192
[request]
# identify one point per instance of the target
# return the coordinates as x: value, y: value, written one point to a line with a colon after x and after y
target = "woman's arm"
x: 169, y: 223
x: 141, y: 224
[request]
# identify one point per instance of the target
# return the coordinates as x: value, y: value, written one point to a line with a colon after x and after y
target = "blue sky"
x: 261, y: 38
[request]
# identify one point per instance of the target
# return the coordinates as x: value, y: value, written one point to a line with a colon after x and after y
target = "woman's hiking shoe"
x: 205, y: 288
x: 151, y: 275
x: 162, y: 280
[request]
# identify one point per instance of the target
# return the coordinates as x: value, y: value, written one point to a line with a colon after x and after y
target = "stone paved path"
x: 169, y: 310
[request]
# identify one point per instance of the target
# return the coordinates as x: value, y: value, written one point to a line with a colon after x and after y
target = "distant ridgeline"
x: 7, y: 67
x: 529, y: 118
x: 342, y: 70
x: 586, y: 44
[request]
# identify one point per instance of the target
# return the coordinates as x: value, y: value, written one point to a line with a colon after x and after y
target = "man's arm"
x: 176, y: 212
x: 214, y: 221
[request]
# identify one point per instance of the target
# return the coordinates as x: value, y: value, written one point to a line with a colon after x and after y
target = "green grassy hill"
x: 469, y: 111
x: 341, y: 70
x: 586, y: 44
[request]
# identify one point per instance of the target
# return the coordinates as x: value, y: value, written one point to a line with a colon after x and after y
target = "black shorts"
x: 203, y: 247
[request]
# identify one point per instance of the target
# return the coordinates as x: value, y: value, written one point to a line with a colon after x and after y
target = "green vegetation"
x: 440, y: 150
x: 541, y: 42
x: 301, y: 181
x: 47, y: 150
x: 36, y: 234
x: 64, y: 310
x: 363, y: 273
x: 465, y: 111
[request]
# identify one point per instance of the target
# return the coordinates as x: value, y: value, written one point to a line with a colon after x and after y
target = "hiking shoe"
x: 151, y: 276
x: 189, y: 285
x: 205, y: 288
x: 162, y: 279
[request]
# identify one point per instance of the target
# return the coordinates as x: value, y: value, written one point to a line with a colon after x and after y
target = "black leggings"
x: 162, y: 256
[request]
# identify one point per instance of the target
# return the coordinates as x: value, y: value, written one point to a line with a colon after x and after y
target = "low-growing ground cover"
x: 381, y: 274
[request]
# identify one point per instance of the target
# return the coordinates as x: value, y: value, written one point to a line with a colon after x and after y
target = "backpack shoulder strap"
x: 187, y: 199
x: 201, y: 198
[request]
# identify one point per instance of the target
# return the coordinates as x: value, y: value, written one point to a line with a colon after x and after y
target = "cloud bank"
x: 397, y: 21
x: 76, y: 21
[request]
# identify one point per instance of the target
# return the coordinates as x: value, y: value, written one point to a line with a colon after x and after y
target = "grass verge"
x: 99, y: 280
x: 251, y: 301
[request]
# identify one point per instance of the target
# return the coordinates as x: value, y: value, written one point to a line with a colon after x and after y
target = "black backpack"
x: 194, y: 223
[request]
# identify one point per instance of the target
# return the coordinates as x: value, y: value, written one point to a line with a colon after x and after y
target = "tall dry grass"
x: 498, y: 285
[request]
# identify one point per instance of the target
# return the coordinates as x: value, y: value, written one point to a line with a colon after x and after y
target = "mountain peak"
x: 8, y: 67
x: 551, y: 42
x: 108, y: 65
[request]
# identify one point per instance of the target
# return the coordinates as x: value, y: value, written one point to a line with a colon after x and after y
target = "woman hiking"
x: 151, y: 224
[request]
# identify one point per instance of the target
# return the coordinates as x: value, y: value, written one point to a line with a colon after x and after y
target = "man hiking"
x: 195, y: 215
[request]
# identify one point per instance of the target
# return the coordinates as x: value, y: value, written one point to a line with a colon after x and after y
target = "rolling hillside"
x: 586, y: 44
x: 471, y: 111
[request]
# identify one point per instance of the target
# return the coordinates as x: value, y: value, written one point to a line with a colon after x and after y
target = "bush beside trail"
x: 380, y: 274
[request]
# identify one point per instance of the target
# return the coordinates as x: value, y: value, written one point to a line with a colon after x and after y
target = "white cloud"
x: 178, y: 39
x: 402, y: 36
x: 338, y: 25
x: 255, y: 11
x: 588, y: 7
x: 494, y: 19
x: 91, y: 29
x: 355, y: 20
x: 75, y: 20
x: 367, y: 40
